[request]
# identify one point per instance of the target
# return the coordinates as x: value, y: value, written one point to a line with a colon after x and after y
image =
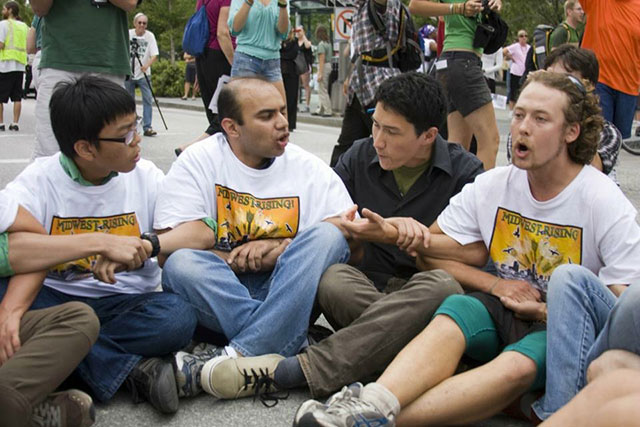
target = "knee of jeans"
x: 178, y: 269
x: 82, y: 318
x: 569, y: 278
x: 175, y: 318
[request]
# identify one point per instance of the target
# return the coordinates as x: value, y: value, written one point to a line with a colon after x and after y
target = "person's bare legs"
x: 305, y: 80
x: 429, y: 358
x: 17, y: 108
x: 187, y: 87
x: 482, y: 123
x: 1, y: 112
x: 612, y: 360
x: 473, y: 395
x: 610, y: 400
x: 459, y: 130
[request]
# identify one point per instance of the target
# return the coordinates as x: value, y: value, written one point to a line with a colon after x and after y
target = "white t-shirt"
x: 295, y: 192
x: 11, y: 65
x: 589, y: 223
x: 8, y: 211
x: 147, y: 48
x: 123, y: 206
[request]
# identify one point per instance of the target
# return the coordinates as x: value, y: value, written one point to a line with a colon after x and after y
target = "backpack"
x: 542, y: 43
x: 407, y: 54
x: 196, y: 32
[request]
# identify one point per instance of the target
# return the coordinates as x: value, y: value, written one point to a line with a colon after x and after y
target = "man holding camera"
x: 80, y: 36
x: 144, y: 52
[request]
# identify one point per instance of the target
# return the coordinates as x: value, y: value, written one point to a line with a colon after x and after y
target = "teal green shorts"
x: 5, y: 267
x: 482, y: 338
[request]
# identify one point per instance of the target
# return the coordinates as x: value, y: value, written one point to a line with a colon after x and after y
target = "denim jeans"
x: 617, y: 107
x: 578, y: 305
x: 259, y: 313
x: 249, y: 66
x: 147, y: 99
x: 132, y: 326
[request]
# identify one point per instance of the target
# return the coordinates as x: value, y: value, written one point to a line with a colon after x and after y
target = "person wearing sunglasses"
x: 517, y: 53
x: 99, y: 184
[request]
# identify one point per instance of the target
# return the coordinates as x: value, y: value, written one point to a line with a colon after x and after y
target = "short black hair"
x: 229, y: 105
x: 14, y: 8
x: 417, y: 97
x: 81, y: 108
x: 575, y: 59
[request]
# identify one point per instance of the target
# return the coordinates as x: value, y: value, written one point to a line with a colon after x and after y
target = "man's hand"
x: 250, y: 256
x: 270, y: 259
x: 495, y: 5
x: 526, y: 310
x: 144, y: 68
x: 516, y: 290
x: 472, y: 7
x: 105, y: 269
x: 9, y: 333
x: 412, y: 234
x: 127, y: 250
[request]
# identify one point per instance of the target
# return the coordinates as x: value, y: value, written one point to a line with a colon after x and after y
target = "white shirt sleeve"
x: 182, y: 197
x: 8, y: 211
x: 459, y: 220
x: 25, y: 189
x: 153, y: 45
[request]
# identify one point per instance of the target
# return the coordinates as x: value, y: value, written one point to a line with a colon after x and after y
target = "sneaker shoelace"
x: 261, y: 382
x: 47, y: 415
x: 348, y: 403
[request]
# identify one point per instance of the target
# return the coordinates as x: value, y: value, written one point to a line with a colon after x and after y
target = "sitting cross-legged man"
x: 268, y: 209
x: 408, y: 172
x: 525, y: 217
x: 98, y: 183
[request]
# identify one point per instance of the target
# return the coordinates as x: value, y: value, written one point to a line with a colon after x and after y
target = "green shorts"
x: 482, y: 337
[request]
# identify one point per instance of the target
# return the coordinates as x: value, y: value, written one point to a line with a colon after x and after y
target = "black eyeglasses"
x: 577, y: 83
x: 130, y: 136
x: 523, y: 35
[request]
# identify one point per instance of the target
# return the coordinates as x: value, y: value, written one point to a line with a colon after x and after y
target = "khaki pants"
x: 54, y: 340
x: 372, y: 327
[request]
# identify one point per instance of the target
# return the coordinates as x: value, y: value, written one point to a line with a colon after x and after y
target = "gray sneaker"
x: 71, y: 408
x: 188, y: 367
x: 228, y: 377
x: 343, y: 409
x: 154, y: 380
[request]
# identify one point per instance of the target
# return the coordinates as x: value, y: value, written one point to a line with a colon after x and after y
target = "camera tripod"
x: 134, y: 50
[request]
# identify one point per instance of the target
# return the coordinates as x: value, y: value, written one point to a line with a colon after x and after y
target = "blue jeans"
x: 249, y: 66
x: 617, y: 107
x: 147, y: 99
x: 259, y: 313
x: 132, y: 326
x: 578, y: 305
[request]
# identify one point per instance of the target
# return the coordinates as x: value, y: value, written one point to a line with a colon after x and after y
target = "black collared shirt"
x: 372, y: 187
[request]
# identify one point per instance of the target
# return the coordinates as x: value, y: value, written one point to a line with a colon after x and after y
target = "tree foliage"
x: 167, y: 19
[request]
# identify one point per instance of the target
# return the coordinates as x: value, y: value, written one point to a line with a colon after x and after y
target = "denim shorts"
x: 463, y: 81
x: 482, y: 335
x: 249, y: 66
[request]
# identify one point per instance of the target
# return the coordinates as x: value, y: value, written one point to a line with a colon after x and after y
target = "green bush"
x: 167, y: 79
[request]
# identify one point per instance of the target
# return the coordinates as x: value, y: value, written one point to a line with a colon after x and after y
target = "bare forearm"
x: 428, y: 8
x: 241, y: 17
x: 40, y: 7
x: 29, y: 252
x: 283, y: 19
x: 21, y: 292
x: 191, y: 235
x: 471, y: 278
x: 126, y: 5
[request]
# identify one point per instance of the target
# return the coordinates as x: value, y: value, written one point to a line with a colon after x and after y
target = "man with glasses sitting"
x: 98, y: 183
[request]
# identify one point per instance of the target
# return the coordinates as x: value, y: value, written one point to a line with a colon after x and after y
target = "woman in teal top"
x: 459, y: 69
x: 259, y: 27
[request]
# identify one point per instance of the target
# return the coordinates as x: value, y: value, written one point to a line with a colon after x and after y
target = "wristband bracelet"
x: 282, y: 5
x: 451, y: 9
x: 155, y: 242
x: 250, y: 3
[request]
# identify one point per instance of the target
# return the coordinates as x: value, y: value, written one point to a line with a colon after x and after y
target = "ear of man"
x: 230, y: 126
x: 85, y: 150
x: 572, y: 132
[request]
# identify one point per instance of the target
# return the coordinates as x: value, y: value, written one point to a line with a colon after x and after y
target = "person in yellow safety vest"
x: 13, y: 58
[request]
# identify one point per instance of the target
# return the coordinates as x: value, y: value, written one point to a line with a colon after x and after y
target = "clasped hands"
x: 408, y: 234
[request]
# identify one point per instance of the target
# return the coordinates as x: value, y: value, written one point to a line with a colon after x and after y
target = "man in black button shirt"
x: 408, y: 172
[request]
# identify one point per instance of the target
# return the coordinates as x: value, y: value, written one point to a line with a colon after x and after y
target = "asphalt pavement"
x: 186, y: 122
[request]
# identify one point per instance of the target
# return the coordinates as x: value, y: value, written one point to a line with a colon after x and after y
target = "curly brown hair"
x: 582, y: 108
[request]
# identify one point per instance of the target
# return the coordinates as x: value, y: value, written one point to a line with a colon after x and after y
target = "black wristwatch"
x: 155, y: 243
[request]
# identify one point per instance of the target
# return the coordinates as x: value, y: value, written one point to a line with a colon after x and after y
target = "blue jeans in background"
x: 132, y: 326
x: 578, y: 305
x: 249, y: 66
x: 147, y: 99
x: 617, y: 107
x: 259, y: 313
